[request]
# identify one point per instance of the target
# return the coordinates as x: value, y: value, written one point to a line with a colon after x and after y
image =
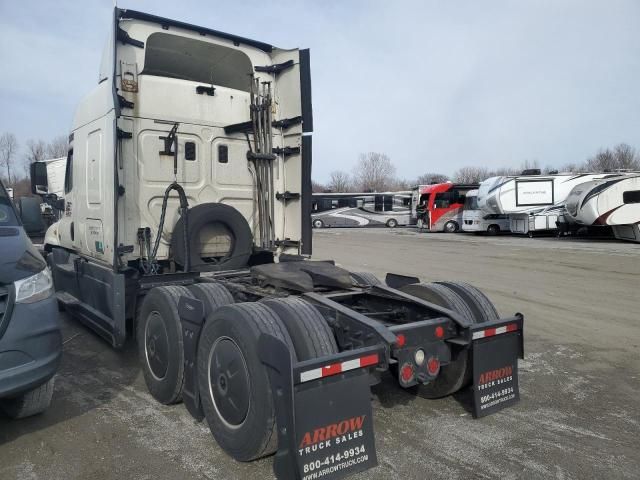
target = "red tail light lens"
x: 439, y: 332
x: 433, y: 366
x: 400, y: 340
x: 406, y: 373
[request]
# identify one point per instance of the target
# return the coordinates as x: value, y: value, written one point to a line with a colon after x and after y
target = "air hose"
x: 184, y: 213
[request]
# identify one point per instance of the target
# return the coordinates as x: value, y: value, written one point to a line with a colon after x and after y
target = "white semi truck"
x: 186, y: 224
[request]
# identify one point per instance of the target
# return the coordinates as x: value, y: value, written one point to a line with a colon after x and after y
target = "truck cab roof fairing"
x: 124, y: 14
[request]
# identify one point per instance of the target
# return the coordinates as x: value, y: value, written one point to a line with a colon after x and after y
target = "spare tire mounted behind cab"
x: 219, y: 236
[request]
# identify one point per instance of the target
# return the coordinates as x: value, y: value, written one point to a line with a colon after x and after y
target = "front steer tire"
x: 160, y: 345
x: 30, y: 403
x: 233, y: 382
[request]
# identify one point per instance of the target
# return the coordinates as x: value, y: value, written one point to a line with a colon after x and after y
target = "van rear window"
x: 188, y: 59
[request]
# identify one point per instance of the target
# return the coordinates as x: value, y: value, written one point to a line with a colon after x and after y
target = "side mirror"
x: 39, y: 181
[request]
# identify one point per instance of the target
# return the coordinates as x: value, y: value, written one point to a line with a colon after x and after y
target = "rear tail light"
x: 433, y: 366
x: 400, y: 340
x: 407, y: 373
x: 439, y: 332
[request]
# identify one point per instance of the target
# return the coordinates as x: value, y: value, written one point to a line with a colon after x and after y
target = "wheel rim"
x: 317, y: 224
x: 156, y: 346
x: 229, y: 382
x: 450, y: 227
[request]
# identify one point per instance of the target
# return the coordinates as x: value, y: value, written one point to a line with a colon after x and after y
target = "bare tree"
x: 402, y: 184
x: 36, y: 151
x: 429, y: 178
x: 58, y: 147
x: 374, y: 172
x: 627, y: 157
x: 339, y: 181
x: 602, y: 161
x: 8, y: 149
x: 317, y: 187
x: 471, y: 174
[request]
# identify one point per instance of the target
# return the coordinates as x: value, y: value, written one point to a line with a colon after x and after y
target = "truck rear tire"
x: 365, y: 279
x: 309, y: 331
x: 482, y: 308
x: 456, y: 374
x: 233, y: 382
x: 30, y: 403
x: 160, y: 346
x: 213, y: 295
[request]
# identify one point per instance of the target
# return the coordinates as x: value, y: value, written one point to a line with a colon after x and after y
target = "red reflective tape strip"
x: 490, y: 332
x: 331, y: 369
x: 369, y: 360
x: 336, y: 368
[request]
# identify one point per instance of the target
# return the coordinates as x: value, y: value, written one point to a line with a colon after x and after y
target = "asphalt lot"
x: 579, y: 416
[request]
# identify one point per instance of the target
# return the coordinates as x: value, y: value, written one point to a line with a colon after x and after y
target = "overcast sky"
x: 436, y: 85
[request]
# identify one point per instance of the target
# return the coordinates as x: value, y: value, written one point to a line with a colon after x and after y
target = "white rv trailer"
x: 476, y: 220
x: 613, y: 201
x: 532, y: 202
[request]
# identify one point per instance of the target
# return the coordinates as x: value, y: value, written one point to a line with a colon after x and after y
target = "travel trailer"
x: 532, y: 201
x: 476, y: 220
x: 187, y: 226
x: 389, y: 209
x: 438, y: 207
x: 613, y: 201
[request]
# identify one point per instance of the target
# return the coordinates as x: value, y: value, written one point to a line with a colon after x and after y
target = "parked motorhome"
x: 187, y: 225
x: 613, y: 201
x: 474, y: 219
x: 438, y: 207
x: 389, y: 209
x: 533, y: 201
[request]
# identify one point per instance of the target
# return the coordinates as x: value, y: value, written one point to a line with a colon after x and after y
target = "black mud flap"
x: 323, y: 410
x: 496, y: 348
x: 191, y: 312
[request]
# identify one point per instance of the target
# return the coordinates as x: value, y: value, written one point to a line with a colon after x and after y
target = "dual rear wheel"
x: 234, y: 384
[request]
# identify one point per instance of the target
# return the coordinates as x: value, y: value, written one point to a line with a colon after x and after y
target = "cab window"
x: 184, y: 58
